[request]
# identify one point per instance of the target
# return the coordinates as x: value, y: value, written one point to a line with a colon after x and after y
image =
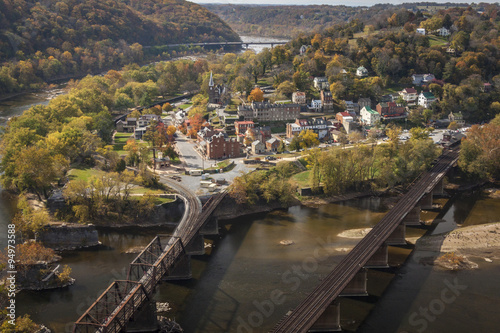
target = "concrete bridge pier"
x: 439, y: 188
x: 357, y: 286
x: 144, y: 320
x: 181, y: 270
x: 426, y: 201
x: 380, y: 259
x: 329, y: 321
x: 196, y: 246
x: 413, y: 217
x: 398, y: 236
x: 211, y: 227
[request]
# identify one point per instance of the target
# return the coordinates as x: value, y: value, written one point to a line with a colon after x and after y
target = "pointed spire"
x: 211, y: 82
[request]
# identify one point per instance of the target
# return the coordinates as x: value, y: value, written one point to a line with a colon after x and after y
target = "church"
x: 215, y: 92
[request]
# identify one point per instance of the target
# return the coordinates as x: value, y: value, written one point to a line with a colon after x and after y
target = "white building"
x: 361, y: 71
x: 321, y: 83
x: 368, y: 116
x: 409, y: 95
x: 421, y: 31
x: 426, y: 99
x: 317, y: 105
x: 443, y: 32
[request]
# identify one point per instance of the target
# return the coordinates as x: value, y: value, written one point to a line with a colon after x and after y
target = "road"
x: 187, y: 154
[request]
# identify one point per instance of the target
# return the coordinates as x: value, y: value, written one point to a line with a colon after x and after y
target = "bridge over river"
x: 126, y: 306
x: 222, y: 44
x: 320, y: 311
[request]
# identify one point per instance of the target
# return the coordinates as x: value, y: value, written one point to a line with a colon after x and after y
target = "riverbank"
x: 483, y: 240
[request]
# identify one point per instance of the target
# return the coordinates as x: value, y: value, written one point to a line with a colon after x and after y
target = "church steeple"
x: 211, y: 82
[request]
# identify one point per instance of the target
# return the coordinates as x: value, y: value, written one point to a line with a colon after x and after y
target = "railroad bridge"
x: 127, y: 305
x: 320, y: 311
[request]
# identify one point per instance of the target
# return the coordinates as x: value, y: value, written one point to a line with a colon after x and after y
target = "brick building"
x: 264, y: 111
x: 220, y: 147
x: 326, y: 100
x: 242, y: 126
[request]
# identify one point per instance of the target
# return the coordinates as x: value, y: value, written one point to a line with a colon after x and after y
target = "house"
x: 161, y: 162
x: 451, y: 50
x: 419, y: 79
x: 443, y: 32
x: 242, y: 126
x: 335, y: 135
x: 426, y: 99
x: 321, y: 83
x: 265, y: 111
x: 326, y: 100
x: 262, y: 133
x: 139, y: 132
x: 390, y: 109
x: 127, y: 125
x: 220, y: 147
x: 350, y: 106
x: 457, y: 117
x: 299, y: 97
x: 409, y: 95
x: 362, y: 102
x: 368, y: 116
x: 318, y: 125
x: 258, y: 147
x: 317, y: 105
x: 361, y: 71
x: 272, y: 145
x: 303, y: 49
x: 344, y: 117
x: 421, y: 31
x: 486, y: 87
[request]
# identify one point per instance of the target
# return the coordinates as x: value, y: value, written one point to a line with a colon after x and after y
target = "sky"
x: 331, y: 2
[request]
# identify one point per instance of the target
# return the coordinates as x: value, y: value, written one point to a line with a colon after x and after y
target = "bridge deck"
x: 117, y: 305
x: 302, y: 318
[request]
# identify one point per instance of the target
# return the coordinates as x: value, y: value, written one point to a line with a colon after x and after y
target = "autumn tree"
x: 256, y: 95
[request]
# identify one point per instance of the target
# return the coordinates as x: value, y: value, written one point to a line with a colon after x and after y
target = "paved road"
x: 187, y: 153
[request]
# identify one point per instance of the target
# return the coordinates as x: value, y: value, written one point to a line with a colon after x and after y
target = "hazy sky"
x: 331, y: 2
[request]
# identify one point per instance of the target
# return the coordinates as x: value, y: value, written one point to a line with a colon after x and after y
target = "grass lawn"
x: 302, y: 179
x: 185, y: 106
x: 437, y: 40
x: 84, y: 173
x: 120, y: 141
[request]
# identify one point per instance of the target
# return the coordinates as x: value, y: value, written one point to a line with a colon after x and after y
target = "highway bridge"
x: 126, y: 305
x: 222, y: 44
x: 320, y: 311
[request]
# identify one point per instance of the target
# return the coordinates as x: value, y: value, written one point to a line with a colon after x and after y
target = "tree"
x: 309, y: 138
x: 453, y: 126
x: 286, y: 88
x: 167, y: 107
x: 256, y: 95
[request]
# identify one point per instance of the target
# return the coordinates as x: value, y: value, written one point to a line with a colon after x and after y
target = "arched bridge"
x: 320, y: 311
x: 127, y: 302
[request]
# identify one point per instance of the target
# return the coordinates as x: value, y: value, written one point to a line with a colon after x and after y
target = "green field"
x: 302, y: 179
x: 84, y: 173
x: 185, y: 106
x: 437, y: 40
x: 120, y: 141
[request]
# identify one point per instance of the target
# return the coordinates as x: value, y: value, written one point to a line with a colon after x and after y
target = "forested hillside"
x: 40, y: 41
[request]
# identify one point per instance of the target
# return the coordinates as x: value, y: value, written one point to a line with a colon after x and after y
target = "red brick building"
x: 390, y: 109
x: 326, y: 100
x: 220, y: 147
x: 242, y: 126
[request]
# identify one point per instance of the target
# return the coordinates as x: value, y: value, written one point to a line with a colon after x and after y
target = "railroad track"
x: 303, y: 317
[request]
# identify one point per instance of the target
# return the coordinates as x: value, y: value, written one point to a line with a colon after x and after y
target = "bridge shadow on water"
x: 407, y: 279
x: 209, y: 308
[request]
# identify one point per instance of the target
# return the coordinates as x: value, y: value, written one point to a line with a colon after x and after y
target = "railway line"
x: 303, y: 317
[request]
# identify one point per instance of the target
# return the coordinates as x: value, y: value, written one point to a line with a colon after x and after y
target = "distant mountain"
x: 29, y: 26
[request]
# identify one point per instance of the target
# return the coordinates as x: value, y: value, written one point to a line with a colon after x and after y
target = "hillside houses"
x: 426, y: 99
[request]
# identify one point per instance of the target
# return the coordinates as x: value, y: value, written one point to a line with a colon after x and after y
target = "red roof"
x: 411, y: 90
x: 345, y: 114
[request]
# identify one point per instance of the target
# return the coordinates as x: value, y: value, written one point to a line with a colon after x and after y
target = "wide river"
x: 247, y: 266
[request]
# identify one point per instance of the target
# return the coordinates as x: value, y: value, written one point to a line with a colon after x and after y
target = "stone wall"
x: 69, y: 236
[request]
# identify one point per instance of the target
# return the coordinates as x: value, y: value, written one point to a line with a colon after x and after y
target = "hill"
x: 30, y: 26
